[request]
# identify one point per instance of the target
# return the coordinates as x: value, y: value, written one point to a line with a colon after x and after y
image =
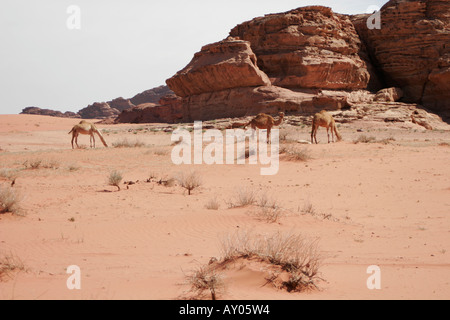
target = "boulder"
x: 98, y: 111
x: 219, y: 66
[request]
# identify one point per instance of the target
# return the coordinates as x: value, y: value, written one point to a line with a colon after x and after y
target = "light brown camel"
x: 263, y: 121
x: 324, y: 119
x: 87, y: 128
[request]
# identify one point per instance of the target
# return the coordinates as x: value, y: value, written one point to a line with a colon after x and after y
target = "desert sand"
x: 384, y: 204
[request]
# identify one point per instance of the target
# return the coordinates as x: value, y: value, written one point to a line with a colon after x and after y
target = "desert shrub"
x: 295, y: 254
x: 243, y: 198
x: 364, y: 139
x: 213, y: 204
x: 294, y: 154
x: 189, y: 181
x: 9, y: 263
x: 206, y: 279
x: 115, y: 178
x: 9, y: 200
x: 125, y: 143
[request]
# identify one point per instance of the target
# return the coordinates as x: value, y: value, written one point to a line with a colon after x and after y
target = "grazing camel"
x: 324, y: 119
x: 264, y: 121
x: 87, y: 128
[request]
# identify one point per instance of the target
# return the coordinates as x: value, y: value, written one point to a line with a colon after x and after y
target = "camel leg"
x: 93, y: 140
x: 328, y: 133
x: 76, y: 141
x: 332, y: 132
x: 73, y: 138
x: 269, y: 130
x: 314, y: 134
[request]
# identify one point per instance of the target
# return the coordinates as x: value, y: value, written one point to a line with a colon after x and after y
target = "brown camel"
x: 263, y: 121
x: 324, y: 119
x: 87, y: 128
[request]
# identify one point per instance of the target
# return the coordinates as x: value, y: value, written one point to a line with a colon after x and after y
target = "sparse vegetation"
x: 213, y: 204
x: 9, y: 174
x: 9, y: 200
x: 125, y: 143
x: 9, y: 263
x: 36, y: 164
x: 206, y: 279
x: 243, y: 198
x: 115, y: 178
x: 293, y: 154
x: 293, y: 253
x: 189, y: 181
x: 364, y: 139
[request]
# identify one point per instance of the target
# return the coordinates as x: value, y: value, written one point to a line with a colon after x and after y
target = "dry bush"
x: 295, y: 254
x: 9, y: 174
x: 268, y: 209
x: 293, y: 154
x: 243, y: 198
x: 115, y: 178
x: 125, y: 143
x: 364, y: 139
x: 206, y: 279
x: 213, y: 204
x: 189, y: 181
x: 35, y: 164
x: 32, y: 164
x: 9, y: 263
x: 9, y: 200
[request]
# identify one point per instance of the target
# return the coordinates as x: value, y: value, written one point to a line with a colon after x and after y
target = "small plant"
x: 33, y: 164
x: 8, y: 264
x: 206, y: 279
x: 73, y: 168
x: 115, y: 178
x: 213, y: 204
x: 8, y: 200
x: 243, y: 198
x: 189, y: 181
x: 364, y: 139
x: 293, y: 154
x: 125, y: 143
x: 9, y: 174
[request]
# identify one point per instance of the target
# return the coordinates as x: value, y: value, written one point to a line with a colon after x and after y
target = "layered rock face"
x: 219, y: 66
x: 308, y: 47
x: 412, y: 49
x: 98, y: 111
x: 310, y: 59
x: 48, y: 112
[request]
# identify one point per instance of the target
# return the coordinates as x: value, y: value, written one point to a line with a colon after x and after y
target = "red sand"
x: 389, y: 206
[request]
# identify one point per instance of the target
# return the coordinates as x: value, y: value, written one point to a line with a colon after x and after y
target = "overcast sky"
x: 122, y: 48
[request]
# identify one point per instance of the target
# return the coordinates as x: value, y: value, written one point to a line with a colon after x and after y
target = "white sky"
x: 123, y: 47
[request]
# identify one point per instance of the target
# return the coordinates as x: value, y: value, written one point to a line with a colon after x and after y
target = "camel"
x: 324, y: 119
x: 87, y: 128
x: 263, y: 121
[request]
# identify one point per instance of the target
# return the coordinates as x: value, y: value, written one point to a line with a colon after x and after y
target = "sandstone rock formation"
x: 168, y: 111
x: 412, y: 49
x: 219, y: 66
x: 309, y: 47
x: 98, y: 111
x: 120, y: 104
x: 48, y: 112
x: 151, y: 95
